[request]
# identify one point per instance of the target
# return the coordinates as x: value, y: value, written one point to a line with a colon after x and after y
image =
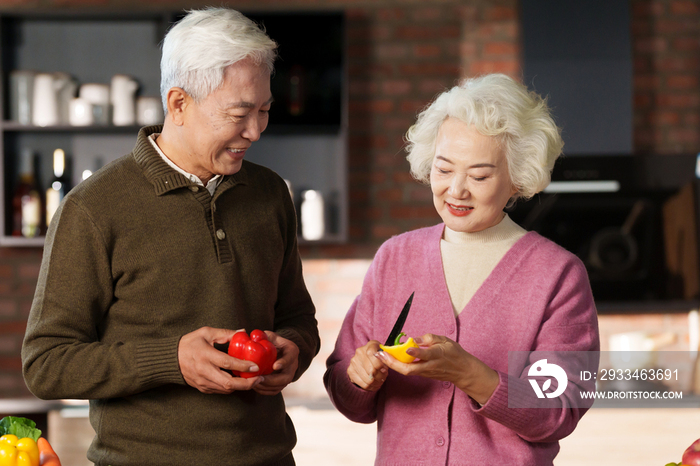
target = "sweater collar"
x: 506, y: 229
x: 163, y: 177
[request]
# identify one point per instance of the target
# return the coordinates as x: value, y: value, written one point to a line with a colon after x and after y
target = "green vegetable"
x: 19, y: 426
x: 397, y: 340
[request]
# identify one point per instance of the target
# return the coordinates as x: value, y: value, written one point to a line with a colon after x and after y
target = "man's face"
x: 218, y: 130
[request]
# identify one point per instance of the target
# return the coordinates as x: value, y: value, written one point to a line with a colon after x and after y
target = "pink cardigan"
x: 537, y: 298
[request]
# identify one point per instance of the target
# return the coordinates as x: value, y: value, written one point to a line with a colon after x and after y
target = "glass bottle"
x: 57, y: 187
x: 26, y: 201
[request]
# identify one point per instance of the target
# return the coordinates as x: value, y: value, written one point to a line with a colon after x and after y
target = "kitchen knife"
x: 399, y: 322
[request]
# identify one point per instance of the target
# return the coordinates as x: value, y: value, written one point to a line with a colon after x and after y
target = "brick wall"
x: 666, y: 54
x: 401, y: 53
x: 19, y: 269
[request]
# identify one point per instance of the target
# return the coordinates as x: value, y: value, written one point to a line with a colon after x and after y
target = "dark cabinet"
x: 93, y: 47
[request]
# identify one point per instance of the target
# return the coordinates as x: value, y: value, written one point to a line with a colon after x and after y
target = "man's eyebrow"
x: 244, y: 104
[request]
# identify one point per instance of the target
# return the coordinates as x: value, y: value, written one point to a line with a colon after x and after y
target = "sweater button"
x: 194, y: 189
x: 440, y: 441
x: 221, y: 234
x: 446, y: 384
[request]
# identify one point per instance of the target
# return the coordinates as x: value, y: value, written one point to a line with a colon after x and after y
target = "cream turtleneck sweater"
x: 468, y: 258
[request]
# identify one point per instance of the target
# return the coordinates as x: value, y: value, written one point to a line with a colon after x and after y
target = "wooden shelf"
x: 12, y: 126
x: 19, y: 241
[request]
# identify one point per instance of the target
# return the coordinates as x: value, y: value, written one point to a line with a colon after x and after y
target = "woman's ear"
x: 177, y: 101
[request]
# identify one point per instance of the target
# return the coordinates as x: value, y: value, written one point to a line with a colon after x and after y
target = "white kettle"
x: 123, y: 91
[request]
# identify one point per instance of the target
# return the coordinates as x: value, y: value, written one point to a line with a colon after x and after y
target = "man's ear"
x: 177, y: 100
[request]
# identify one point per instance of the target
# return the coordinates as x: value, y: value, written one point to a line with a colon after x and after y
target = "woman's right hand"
x: 366, y: 370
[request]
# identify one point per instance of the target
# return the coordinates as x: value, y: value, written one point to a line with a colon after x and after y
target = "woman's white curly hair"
x: 497, y: 106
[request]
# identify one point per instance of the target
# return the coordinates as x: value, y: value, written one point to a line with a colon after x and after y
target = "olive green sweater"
x: 138, y: 256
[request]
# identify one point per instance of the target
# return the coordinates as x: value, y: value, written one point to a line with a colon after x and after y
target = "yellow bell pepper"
x: 398, y: 350
x: 18, y: 451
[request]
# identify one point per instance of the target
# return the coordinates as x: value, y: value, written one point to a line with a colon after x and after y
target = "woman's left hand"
x: 440, y: 358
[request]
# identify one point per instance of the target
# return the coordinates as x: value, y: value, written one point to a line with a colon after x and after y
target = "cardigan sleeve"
x: 569, y: 324
x: 353, y: 402
x: 62, y: 354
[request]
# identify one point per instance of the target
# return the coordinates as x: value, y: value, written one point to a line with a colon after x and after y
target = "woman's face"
x: 469, y: 178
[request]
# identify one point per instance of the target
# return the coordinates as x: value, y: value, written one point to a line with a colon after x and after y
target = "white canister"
x: 80, y: 112
x: 98, y: 95
x: 21, y: 96
x: 149, y: 111
x: 45, y: 104
x: 66, y: 88
x: 123, y: 100
x: 312, y: 216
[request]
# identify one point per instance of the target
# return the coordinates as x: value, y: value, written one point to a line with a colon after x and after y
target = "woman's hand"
x: 366, y: 370
x: 443, y: 359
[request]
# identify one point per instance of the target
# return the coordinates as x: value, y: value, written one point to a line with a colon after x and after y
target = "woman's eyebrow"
x: 476, y: 165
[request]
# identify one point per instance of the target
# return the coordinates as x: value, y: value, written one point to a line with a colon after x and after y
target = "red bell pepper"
x: 254, y: 348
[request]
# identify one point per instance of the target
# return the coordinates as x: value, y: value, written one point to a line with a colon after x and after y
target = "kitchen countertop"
x: 28, y: 405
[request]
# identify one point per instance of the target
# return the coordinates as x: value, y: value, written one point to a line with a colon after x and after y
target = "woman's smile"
x: 459, y: 210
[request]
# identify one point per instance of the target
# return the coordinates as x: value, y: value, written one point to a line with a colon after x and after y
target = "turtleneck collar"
x: 506, y: 229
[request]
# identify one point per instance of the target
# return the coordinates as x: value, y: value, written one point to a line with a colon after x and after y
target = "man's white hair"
x: 197, y: 50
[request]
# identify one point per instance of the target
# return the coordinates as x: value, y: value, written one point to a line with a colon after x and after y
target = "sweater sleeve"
x: 570, y: 325
x: 353, y: 402
x: 295, y: 312
x: 62, y: 354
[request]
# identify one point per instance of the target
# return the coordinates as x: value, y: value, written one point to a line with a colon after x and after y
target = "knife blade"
x: 399, y: 322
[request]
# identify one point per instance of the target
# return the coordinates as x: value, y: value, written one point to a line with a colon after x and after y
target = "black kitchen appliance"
x: 609, y: 211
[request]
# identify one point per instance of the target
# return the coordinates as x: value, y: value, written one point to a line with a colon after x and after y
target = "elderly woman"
x: 484, y: 288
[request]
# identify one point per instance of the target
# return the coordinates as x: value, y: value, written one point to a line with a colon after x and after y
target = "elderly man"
x: 160, y: 256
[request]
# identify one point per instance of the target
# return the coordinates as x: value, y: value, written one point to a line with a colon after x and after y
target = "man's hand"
x: 284, y: 368
x: 201, y: 364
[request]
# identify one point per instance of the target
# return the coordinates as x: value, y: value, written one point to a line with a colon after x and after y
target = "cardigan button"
x: 221, y: 234
x: 194, y: 189
x: 446, y: 384
x: 440, y: 441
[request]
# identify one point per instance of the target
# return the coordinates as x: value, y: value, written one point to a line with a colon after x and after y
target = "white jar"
x: 312, y: 218
x: 44, y: 102
x: 122, y: 94
x: 98, y: 96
